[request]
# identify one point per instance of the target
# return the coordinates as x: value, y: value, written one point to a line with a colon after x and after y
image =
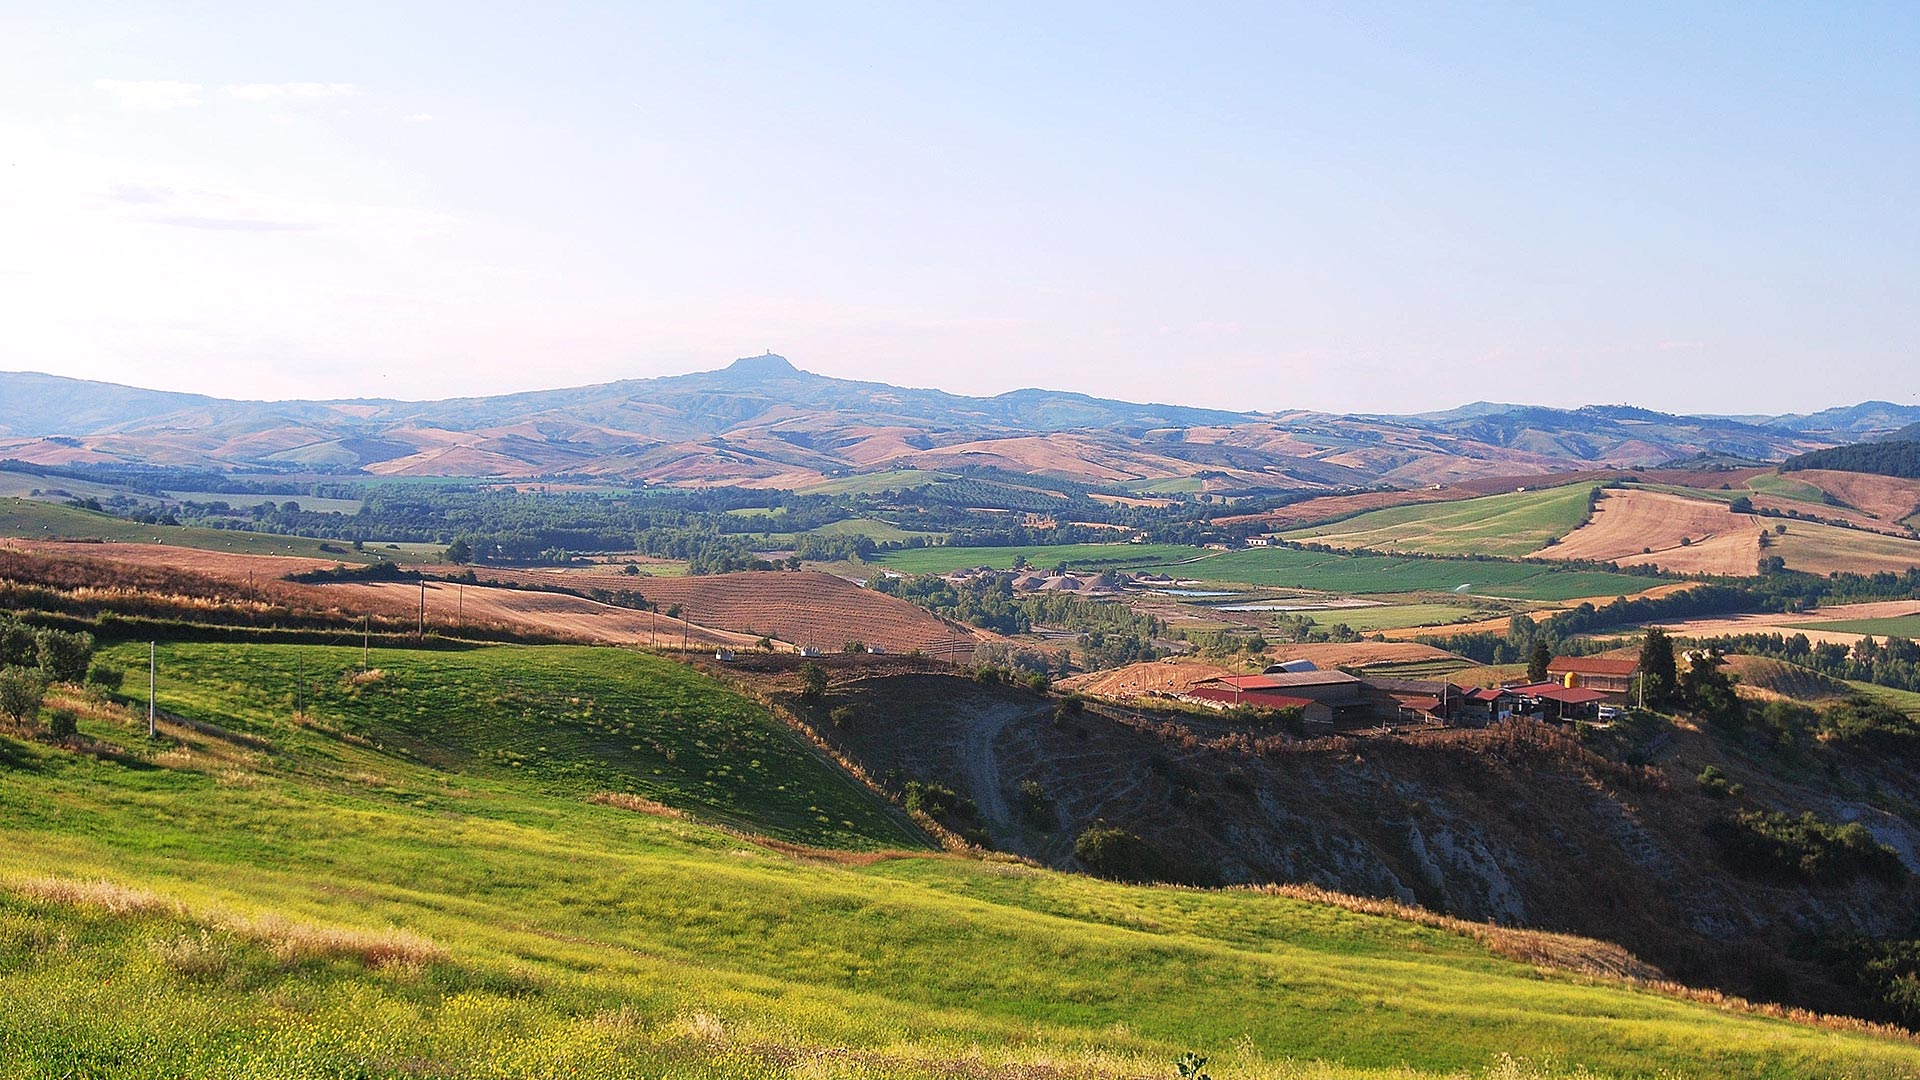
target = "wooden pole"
x: 366, y: 643
x: 150, y: 683
x: 423, y: 609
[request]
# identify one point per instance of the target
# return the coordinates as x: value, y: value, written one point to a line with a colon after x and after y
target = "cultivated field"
x: 1889, y: 498
x: 452, y: 607
x: 1079, y: 557
x: 1512, y: 525
x: 1677, y: 534
x: 461, y: 867
x: 800, y: 608
x: 29, y: 518
x: 1334, y: 572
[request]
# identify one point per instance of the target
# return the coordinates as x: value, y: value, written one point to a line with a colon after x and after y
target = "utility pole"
x: 150, y: 683
x: 423, y: 609
x: 366, y: 642
x: 460, y: 609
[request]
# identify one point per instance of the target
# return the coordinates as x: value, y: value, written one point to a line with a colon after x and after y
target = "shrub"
x: 1713, y: 783
x: 62, y: 724
x: 1119, y: 855
x: 106, y: 677
x: 842, y: 716
x: 63, y: 656
x: 1780, y: 845
x: 1035, y: 805
x: 813, y: 683
x: 21, y: 692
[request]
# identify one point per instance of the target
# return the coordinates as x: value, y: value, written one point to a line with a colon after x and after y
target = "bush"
x: 842, y: 716
x: 106, y: 677
x: 21, y: 692
x: 1119, y: 855
x: 62, y: 724
x: 813, y: 683
x: 1780, y: 845
x: 1713, y: 783
x: 1035, y: 805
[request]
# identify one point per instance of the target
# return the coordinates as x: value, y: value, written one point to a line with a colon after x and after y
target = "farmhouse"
x: 1609, y: 676
x: 1556, y: 701
x: 1332, y: 698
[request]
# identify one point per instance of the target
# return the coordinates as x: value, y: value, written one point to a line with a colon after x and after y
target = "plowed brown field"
x: 1634, y: 528
x: 224, y: 565
x: 803, y: 608
x: 1148, y: 677
x: 1889, y: 498
x: 448, y: 606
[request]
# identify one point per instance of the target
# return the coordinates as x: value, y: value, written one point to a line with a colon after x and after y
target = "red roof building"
x: 1614, y: 676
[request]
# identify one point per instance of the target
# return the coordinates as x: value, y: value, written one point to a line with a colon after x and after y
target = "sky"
x: 1378, y: 208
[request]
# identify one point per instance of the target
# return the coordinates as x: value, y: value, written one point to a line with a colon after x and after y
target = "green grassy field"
x: 1395, y: 616
x: 1905, y: 700
x: 39, y: 520
x: 1511, y: 525
x: 1384, y: 574
x: 1787, y: 488
x: 575, y: 720
x: 1906, y: 626
x: 880, y: 531
x: 1081, y: 557
x: 385, y: 900
x: 241, y: 499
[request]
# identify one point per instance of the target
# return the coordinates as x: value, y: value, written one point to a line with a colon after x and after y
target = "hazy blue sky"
x: 1380, y: 208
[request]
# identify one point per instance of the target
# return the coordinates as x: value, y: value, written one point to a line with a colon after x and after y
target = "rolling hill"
x: 763, y: 422
x: 546, y: 862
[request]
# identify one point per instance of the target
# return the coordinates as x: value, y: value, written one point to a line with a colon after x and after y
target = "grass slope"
x: 47, y: 521
x: 321, y: 906
x: 572, y: 720
x: 1511, y: 525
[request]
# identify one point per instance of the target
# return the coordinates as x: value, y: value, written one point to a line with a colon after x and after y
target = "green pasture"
x: 1785, y: 487
x: 1396, y: 616
x: 1906, y: 626
x: 1080, y: 557
x: 1382, y: 574
x: 414, y: 885
x: 573, y: 720
x: 241, y: 500
x: 1511, y: 525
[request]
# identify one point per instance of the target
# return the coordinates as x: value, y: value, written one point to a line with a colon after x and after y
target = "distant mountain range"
x: 765, y: 423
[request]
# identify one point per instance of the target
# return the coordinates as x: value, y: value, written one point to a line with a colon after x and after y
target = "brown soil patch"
x: 449, y: 607
x: 224, y: 565
x: 1149, y: 677
x: 1754, y: 624
x: 803, y: 608
x: 1635, y: 528
x: 1889, y: 498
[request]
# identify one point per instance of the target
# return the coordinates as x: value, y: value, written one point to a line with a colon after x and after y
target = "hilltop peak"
x: 768, y: 365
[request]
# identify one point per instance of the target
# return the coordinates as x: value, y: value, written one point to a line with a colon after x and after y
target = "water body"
x: 1193, y: 592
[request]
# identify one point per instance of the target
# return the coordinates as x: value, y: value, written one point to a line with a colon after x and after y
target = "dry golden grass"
x: 108, y: 896
x: 293, y: 941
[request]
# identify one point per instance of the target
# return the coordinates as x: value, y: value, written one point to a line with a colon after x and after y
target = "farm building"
x: 1332, y: 698
x: 1556, y: 701
x: 1607, y: 675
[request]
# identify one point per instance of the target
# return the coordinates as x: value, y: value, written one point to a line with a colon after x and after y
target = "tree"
x: 1659, y: 674
x: 21, y: 692
x: 1537, y: 662
x: 813, y: 683
x: 459, y: 552
x: 1741, y: 505
x: 63, y: 656
x: 1708, y: 692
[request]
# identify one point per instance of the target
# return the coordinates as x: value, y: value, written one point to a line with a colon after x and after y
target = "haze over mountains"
x: 763, y: 422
